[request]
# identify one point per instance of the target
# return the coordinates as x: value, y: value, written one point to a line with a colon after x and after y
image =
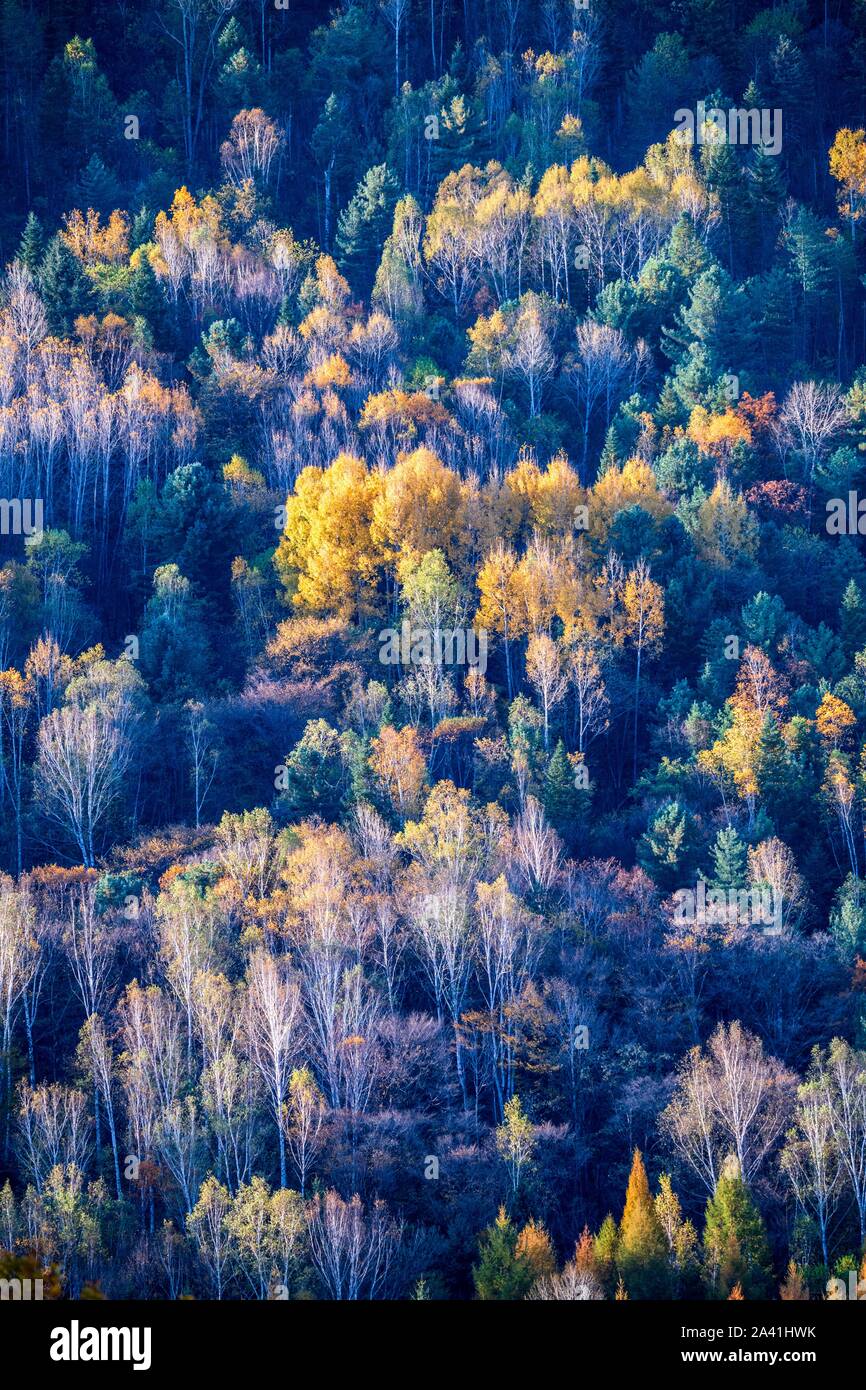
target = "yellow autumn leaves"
x: 349, y: 530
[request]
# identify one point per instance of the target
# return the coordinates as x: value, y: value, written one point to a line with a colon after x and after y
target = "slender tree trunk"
x: 636, y: 711
x: 283, y: 1176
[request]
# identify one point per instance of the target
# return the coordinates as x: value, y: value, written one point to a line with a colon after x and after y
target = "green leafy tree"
x: 605, y: 1247
x: 516, y: 1141
x: 208, y: 1225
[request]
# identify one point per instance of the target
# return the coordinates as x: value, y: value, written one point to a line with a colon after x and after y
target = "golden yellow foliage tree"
x: 327, y: 557
x: 500, y: 609
x: 418, y: 507
x: 91, y: 242
x: 834, y: 719
x: 536, y: 1248
x: 732, y: 759
x: 794, y: 1289
x: 839, y: 793
x: 239, y: 475
x: 642, y: 1250
x: 718, y: 434
x: 488, y: 337
x: 515, y: 1140
x: 547, y: 674
x: 403, y: 412
x: 334, y: 371
x: 398, y: 764
x: 539, y: 578
x: 549, y: 500
x: 644, y: 613
x: 848, y: 167
x: 632, y: 485
x: 726, y: 530
x: 759, y: 686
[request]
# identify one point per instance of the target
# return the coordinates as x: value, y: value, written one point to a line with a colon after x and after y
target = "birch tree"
x: 272, y: 1019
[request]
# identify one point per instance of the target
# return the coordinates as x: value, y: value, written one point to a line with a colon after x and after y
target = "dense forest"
x: 433, y: 649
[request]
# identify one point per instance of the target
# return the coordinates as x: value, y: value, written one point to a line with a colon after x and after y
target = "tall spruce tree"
x: 565, y: 803
x: 31, y: 247
x: 66, y: 292
x: 363, y: 226
x: 729, y: 861
x: 735, y: 1240
x: 852, y: 619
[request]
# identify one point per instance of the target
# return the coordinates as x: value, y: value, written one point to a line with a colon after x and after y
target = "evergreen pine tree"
x: 609, y: 456
x: 566, y: 805
x: 462, y: 137
x: 175, y: 649
x: 790, y: 88
x: 811, y: 275
x: 148, y: 301
x: 686, y: 250
x: 141, y: 229
x: 773, y: 770
x: 668, y: 849
x: 848, y: 920
x: 97, y: 187
x: 735, y: 1241
x: 852, y: 619
x: 66, y: 292
x: 315, y: 774
x: 764, y: 618
x: 723, y: 177
x: 31, y: 248
x: 363, y: 226
x: 714, y: 335
x: 729, y: 861
x: 660, y: 77
x: 765, y: 183
x: 502, y: 1272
